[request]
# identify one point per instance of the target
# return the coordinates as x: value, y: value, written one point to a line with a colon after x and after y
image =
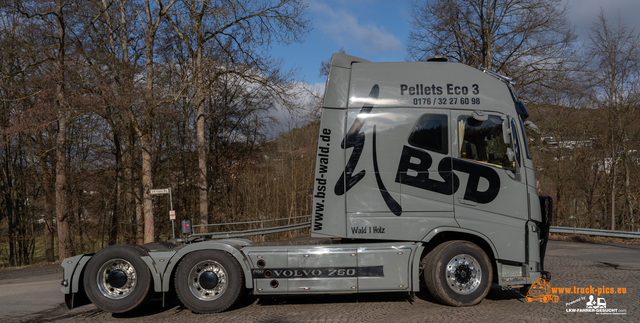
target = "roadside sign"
x: 172, y: 213
x: 159, y: 191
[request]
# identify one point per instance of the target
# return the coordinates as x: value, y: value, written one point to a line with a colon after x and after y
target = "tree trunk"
x: 64, y: 237
x: 49, y: 230
x: 41, y: 163
x: 139, y: 222
x: 115, y: 217
x: 129, y: 208
x: 201, y: 142
x: 147, y: 185
x: 613, y: 185
x: 145, y: 143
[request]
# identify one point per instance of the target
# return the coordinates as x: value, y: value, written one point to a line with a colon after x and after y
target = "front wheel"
x: 209, y: 281
x: 117, y: 280
x: 458, y: 273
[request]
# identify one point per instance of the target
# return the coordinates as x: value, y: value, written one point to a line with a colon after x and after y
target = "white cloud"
x: 345, y: 29
x: 304, y: 109
x: 583, y: 13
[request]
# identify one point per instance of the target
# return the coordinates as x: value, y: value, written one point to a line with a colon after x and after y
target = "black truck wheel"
x: 117, y: 280
x: 209, y: 281
x: 458, y: 273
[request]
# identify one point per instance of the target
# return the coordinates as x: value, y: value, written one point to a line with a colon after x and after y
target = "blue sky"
x: 372, y: 29
x: 377, y: 30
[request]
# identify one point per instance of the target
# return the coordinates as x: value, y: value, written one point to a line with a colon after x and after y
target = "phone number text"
x: 446, y: 101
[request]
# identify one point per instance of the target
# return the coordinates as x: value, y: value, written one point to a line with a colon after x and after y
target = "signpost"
x: 172, y: 213
x: 160, y: 191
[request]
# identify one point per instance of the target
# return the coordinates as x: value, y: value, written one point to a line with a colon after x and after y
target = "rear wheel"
x: 458, y: 273
x: 209, y: 281
x: 116, y: 279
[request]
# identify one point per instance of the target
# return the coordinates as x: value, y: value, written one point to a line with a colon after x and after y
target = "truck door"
x: 492, y: 196
x: 398, y: 182
x: 373, y: 198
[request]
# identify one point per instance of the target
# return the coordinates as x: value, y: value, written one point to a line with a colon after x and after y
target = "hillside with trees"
x: 102, y: 101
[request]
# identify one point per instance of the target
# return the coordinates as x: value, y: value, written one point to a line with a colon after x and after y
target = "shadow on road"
x: 173, y: 304
x: 497, y: 293
x: 152, y: 307
x: 329, y: 299
x: 174, y: 307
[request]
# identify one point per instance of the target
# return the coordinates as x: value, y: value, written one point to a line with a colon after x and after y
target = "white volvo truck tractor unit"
x: 423, y: 179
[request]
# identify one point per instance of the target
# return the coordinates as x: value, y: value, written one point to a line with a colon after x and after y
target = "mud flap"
x: 78, y: 299
x: 546, y: 206
x: 73, y: 282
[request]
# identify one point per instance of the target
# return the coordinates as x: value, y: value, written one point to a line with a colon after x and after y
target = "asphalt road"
x: 624, y: 256
x: 33, y: 295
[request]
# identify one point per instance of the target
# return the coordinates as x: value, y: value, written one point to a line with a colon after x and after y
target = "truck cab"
x: 429, y: 152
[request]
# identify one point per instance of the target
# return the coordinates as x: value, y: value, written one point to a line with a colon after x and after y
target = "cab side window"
x: 431, y: 133
x: 482, y: 141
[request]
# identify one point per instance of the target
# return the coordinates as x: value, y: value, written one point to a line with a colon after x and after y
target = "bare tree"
x: 110, y: 51
x: 325, y: 65
x: 56, y: 13
x: 528, y: 40
x: 85, y: 84
x: 229, y: 38
x: 615, y: 50
x: 153, y: 17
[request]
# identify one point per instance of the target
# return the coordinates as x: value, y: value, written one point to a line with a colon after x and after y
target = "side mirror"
x: 515, y: 142
x: 511, y: 155
x: 506, y: 130
x: 510, y: 137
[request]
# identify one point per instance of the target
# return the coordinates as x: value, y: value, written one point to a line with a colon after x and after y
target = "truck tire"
x: 458, y: 273
x: 209, y: 281
x: 117, y: 280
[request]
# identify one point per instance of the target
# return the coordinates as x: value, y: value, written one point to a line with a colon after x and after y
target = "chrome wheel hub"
x: 116, y: 278
x: 208, y: 280
x: 463, y: 274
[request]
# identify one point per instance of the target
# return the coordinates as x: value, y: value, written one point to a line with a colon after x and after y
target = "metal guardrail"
x: 253, y: 232
x: 262, y: 222
x: 597, y: 232
x: 250, y: 232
